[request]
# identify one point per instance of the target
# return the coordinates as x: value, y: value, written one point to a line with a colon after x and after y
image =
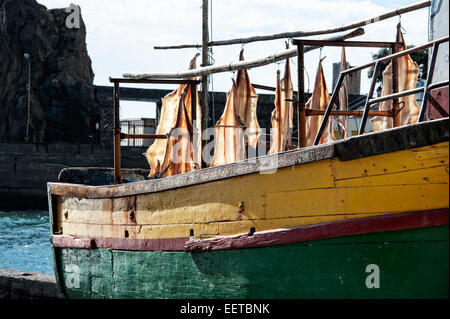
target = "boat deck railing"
x: 394, y: 113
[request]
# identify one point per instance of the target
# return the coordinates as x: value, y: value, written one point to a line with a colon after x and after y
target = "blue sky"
x: 393, y: 4
x: 121, y: 35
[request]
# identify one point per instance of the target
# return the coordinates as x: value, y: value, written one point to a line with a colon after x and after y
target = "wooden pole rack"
x: 118, y: 135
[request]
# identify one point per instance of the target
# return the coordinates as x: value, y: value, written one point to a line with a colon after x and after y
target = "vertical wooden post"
x: 395, y: 104
x: 192, y: 135
x: 116, y: 97
x: 301, y: 115
x: 205, y: 62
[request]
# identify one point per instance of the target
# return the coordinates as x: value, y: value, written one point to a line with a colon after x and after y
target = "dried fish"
x: 178, y: 157
x: 282, y: 115
x: 408, y: 73
x: 247, y: 102
x: 319, y: 101
x: 229, y: 140
x: 175, y: 114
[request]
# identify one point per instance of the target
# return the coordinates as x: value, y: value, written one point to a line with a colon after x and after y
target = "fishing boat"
x: 361, y: 217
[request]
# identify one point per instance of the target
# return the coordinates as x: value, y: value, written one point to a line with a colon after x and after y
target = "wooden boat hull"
x: 309, y: 229
x: 412, y: 264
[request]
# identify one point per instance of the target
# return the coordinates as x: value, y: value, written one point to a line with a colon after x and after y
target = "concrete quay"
x: 16, y: 284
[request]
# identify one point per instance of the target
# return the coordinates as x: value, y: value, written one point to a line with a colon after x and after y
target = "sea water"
x: 25, y: 241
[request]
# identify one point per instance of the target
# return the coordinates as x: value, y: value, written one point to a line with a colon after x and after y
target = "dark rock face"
x: 63, y: 107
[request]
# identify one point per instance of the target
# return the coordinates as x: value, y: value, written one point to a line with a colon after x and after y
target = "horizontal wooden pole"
x: 362, y: 44
x: 285, y: 35
x: 144, y: 136
x: 155, y: 81
x: 310, y: 112
x: 233, y: 66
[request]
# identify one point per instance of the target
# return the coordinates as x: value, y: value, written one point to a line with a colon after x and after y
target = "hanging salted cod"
x: 342, y: 121
x: 229, y: 144
x: 176, y: 119
x: 319, y: 101
x: 179, y: 154
x: 408, y: 73
x: 282, y: 115
x: 247, y: 101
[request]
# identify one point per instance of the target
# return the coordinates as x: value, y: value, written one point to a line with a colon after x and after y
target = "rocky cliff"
x: 62, y: 104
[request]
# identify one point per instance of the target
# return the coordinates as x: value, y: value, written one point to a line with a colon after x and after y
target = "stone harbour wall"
x: 16, y: 284
x: 25, y: 168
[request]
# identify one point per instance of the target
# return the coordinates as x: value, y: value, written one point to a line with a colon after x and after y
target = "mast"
x: 205, y: 63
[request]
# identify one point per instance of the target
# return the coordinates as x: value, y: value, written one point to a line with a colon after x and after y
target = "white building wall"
x: 438, y: 29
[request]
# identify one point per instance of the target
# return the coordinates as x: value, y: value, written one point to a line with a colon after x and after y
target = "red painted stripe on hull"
x: 65, y: 241
x: 259, y: 239
x: 326, y: 230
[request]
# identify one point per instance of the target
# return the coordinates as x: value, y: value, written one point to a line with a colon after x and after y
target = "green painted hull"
x: 412, y: 264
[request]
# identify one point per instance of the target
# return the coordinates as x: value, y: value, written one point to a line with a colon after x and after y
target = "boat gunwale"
x: 370, y: 144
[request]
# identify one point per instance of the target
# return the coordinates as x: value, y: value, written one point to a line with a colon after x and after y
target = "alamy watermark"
x: 73, y: 19
x: 373, y: 279
x: 256, y: 156
x: 73, y: 276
